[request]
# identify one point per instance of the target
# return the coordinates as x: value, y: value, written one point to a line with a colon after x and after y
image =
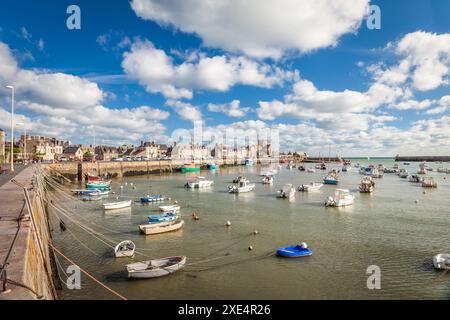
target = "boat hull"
x: 185, y: 170
x: 294, y: 252
x: 117, y: 205
x: 157, y: 228
x: 140, y: 270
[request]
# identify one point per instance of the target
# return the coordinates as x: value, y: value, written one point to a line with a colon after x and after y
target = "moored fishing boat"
x: 117, y: 205
x: 243, y: 186
x: 300, y: 250
x: 429, y: 182
x: 301, y: 168
x: 190, y: 167
x: 248, y: 162
x: 415, y: 179
x: 125, y: 249
x: 157, y: 228
x: 403, y: 173
x: 212, y: 166
x: 155, y: 268
x: 268, y: 179
x: 331, y: 178
x: 91, y: 197
x: 422, y: 169
x: 442, y: 261
x: 163, y: 217
x: 287, y: 192
x: 367, y: 185
x: 310, y: 170
x: 311, y: 187
x: 199, y: 183
x: 342, y: 198
x: 103, y: 185
x: 170, y: 208
x: 154, y: 198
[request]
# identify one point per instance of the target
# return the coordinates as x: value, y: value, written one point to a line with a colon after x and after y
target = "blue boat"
x: 300, y: 250
x: 212, y: 166
x: 330, y: 180
x: 163, y: 217
x: 153, y: 198
x: 248, y: 162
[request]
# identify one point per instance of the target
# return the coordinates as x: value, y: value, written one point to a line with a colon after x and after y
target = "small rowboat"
x: 117, y: 205
x: 164, y: 217
x: 442, y: 261
x: 155, y: 268
x: 300, y: 250
x: 156, y: 228
x: 171, y: 208
x: 91, y: 197
x: 125, y: 249
x: 153, y: 198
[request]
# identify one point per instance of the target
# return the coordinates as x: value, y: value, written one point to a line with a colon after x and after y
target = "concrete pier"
x: 24, y: 250
x: 75, y: 170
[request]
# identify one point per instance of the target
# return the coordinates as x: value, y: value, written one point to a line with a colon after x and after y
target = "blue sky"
x: 365, y: 92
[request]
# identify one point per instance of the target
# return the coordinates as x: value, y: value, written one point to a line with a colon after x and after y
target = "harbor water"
x: 389, y: 229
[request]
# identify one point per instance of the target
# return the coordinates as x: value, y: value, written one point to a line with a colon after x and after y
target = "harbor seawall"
x: 423, y: 158
x: 24, y: 241
x: 77, y: 170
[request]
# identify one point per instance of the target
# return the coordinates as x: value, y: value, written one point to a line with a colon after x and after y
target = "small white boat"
x: 268, y: 179
x: 287, y: 192
x: 199, y: 183
x: 403, y: 173
x: 243, y: 186
x: 367, y: 185
x: 442, y: 261
x: 156, y: 228
x: 422, y: 169
x: 170, y: 208
x: 117, y: 205
x: 155, y: 268
x: 429, y: 183
x: 311, y: 187
x: 125, y: 249
x: 414, y: 178
x: 311, y: 170
x: 342, y: 198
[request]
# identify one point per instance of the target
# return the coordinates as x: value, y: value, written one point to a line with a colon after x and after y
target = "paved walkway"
x: 5, y: 177
x: 12, y: 204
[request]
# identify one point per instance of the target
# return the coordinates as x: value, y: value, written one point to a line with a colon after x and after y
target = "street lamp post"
x: 12, y: 127
x: 24, y: 154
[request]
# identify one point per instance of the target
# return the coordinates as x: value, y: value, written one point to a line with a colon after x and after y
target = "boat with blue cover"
x: 163, y: 217
x: 298, y: 251
x: 153, y: 198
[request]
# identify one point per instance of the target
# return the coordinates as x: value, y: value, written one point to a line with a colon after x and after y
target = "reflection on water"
x: 387, y: 228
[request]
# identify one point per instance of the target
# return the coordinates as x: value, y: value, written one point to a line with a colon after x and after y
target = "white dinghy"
x: 117, y: 205
x: 170, y: 208
x: 162, y: 227
x: 155, y: 268
x: 125, y: 249
x: 442, y: 261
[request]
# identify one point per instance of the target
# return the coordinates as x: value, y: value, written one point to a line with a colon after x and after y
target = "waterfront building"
x: 42, y: 148
x: 106, y: 153
x: 73, y: 153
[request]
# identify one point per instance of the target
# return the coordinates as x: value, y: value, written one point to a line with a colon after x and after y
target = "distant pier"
x: 422, y: 158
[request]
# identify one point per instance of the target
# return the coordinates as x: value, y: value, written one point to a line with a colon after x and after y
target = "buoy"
x: 121, y: 187
x: 117, y: 198
x: 195, y: 216
x: 228, y: 223
x: 250, y: 248
x: 175, y: 201
x: 255, y: 232
x: 126, y: 183
x: 131, y: 183
x: 424, y: 192
x: 417, y: 201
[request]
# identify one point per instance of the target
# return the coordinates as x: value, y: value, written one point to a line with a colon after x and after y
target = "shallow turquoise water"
x: 387, y: 229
